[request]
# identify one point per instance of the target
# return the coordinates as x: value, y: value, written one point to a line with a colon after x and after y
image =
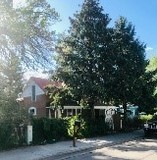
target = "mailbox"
x: 77, y: 125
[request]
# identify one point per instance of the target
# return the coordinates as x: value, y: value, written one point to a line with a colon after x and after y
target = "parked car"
x: 150, y: 127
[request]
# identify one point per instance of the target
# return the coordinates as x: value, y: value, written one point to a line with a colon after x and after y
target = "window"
x: 69, y: 112
x: 32, y: 111
x: 33, y: 93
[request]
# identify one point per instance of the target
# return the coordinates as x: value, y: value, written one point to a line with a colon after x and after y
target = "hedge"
x: 12, y: 135
x: 51, y: 130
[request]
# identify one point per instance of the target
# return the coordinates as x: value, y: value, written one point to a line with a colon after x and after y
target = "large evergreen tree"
x: 11, y: 76
x: 82, y: 54
x: 129, y: 64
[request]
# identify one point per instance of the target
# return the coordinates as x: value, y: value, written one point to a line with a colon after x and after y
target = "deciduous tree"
x: 26, y: 31
x: 148, y: 98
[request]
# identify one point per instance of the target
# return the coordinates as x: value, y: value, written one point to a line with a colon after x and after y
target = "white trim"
x: 73, y: 107
x: 105, y: 107
x: 35, y: 111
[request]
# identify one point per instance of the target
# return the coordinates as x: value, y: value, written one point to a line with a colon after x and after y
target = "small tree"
x: 60, y: 96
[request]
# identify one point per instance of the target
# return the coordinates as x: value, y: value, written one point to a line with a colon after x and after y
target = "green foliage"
x: 148, y: 98
x: 133, y: 123
x: 11, y: 70
x: 144, y: 118
x: 25, y: 31
x: 71, y: 122
x: 152, y: 67
x: 99, y: 63
x: 128, y: 64
x: 82, y: 54
x: 60, y: 95
x: 49, y: 130
x: 152, y: 64
x: 12, y: 115
x: 95, y: 128
x: 12, y: 134
x: 10, y: 86
x: 88, y: 127
x: 6, y: 138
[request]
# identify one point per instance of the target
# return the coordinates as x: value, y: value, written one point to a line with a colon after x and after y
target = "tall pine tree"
x: 82, y: 55
x: 129, y: 64
x: 11, y: 85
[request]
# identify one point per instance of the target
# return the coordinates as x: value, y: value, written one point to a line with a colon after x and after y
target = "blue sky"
x: 142, y: 14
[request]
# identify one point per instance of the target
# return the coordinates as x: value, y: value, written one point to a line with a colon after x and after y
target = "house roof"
x: 42, y: 83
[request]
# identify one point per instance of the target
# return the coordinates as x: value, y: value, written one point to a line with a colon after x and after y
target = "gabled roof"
x: 42, y: 83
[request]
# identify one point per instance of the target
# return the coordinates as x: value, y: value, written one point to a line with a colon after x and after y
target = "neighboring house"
x: 34, y: 96
x: 37, y: 102
x: 132, y: 111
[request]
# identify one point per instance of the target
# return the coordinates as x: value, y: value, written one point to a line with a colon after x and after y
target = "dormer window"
x: 33, y: 93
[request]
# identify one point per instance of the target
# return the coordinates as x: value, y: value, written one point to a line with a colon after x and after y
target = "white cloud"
x: 149, y: 49
x: 40, y: 74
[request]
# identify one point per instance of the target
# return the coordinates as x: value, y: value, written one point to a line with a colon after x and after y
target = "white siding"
x: 28, y: 89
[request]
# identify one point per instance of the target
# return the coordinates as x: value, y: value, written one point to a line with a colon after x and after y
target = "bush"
x: 144, y: 118
x: 11, y: 135
x: 88, y: 127
x: 133, y: 123
x: 95, y: 128
x: 70, y: 124
x: 49, y: 130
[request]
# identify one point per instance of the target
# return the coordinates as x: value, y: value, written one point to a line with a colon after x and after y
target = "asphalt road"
x: 141, y: 149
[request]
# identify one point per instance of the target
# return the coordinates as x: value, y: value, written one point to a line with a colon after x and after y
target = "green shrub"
x: 10, y: 135
x: 133, y: 123
x: 49, y: 130
x: 70, y: 124
x: 144, y: 118
x: 6, y: 136
x: 88, y: 127
x: 96, y: 128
